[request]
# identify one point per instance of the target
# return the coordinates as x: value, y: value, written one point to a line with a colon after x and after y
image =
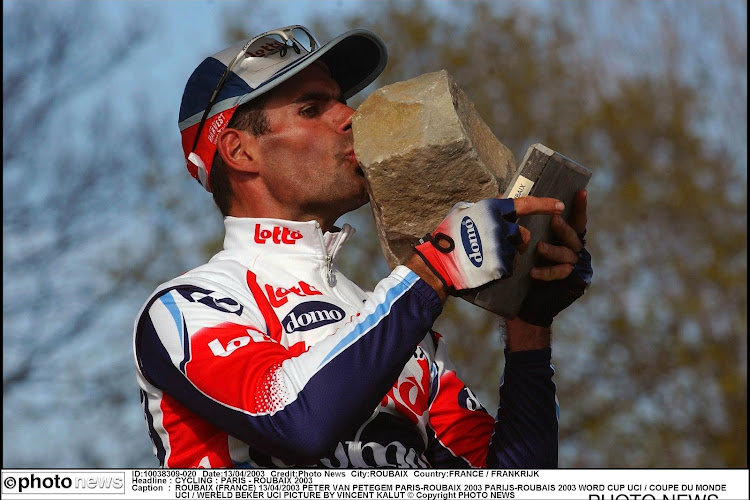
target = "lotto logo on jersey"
x: 278, y: 296
x: 311, y: 315
x: 219, y: 349
x: 277, y: 235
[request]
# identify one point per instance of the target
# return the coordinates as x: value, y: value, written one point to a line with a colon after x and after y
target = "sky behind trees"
x: 98, y: 208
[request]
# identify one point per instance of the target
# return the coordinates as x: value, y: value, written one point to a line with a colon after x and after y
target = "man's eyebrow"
x: 319, y: 96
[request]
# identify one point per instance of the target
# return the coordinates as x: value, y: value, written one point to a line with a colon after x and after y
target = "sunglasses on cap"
x: 281, y: 40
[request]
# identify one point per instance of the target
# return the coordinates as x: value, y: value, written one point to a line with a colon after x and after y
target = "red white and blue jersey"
x: 267, y: 356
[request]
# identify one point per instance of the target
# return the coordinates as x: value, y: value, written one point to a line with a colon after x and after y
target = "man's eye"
x: 309, y: 111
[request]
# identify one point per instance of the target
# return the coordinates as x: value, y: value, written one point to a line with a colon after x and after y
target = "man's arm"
x: 523, y: 336
x: 242, y: 380
x: 527, y: 396
x: 524, y: 432
x: 416, y: 264
x: 526, y: 427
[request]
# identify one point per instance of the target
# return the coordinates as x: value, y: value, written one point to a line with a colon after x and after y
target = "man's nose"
x: 345, y: 125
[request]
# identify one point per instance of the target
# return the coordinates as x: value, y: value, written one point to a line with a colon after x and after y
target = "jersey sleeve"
x: 460, y: 426
x: 526, y: 427
x: 524, y: 431
x: 232, y: 371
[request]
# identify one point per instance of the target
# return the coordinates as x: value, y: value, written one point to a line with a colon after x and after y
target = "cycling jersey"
x: 268, y: 356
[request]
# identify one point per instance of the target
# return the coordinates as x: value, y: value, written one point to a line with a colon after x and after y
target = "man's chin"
x: 359, y: 202
x: 350, y: 203
x: 364, y: 202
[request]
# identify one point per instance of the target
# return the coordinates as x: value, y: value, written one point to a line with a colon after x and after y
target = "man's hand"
x: 566, y: 279
x: 477, y: 242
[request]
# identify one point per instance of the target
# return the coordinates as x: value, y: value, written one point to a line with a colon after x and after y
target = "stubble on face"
x: 311, y: 166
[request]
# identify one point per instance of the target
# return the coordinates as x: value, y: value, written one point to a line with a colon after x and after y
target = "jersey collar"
x: 283, y: 236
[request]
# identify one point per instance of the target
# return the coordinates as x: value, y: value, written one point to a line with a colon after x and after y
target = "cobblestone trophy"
x: 423, y: 148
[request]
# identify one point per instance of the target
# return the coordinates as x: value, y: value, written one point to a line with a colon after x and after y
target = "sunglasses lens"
x: 304, y: 39
x: 296, y: 39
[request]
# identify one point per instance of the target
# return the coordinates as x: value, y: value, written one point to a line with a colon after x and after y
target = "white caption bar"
x: 598, y: 484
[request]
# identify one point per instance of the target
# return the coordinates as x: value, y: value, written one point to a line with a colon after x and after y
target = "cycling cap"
x: 239, y: 73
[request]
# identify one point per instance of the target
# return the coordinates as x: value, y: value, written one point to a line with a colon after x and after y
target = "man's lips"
x: 352, y: 157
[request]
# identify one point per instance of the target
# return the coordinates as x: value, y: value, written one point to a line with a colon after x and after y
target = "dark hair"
x: 250, y: 117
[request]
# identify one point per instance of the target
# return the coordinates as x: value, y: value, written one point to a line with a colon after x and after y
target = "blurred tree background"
x: 652, y: 361
x: 651, y: 96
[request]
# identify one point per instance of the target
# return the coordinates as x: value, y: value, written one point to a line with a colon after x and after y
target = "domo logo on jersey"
x: 471, y: 240
x: 311, y: 315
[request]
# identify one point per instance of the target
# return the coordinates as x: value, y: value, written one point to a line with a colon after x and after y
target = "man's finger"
x: 531, y: 205
x: 551, y: 273
x: 526, y: 236
x: 567, y: 234
x: 579, y: 218
x: 558, y: 254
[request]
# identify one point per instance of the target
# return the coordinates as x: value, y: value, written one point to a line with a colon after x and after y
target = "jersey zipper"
x: 330, y: 275
x: 330, y: 271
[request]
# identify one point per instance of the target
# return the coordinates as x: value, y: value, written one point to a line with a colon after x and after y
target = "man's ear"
x: 238, y: 150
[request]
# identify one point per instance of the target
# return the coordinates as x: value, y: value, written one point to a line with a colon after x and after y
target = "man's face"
x: 308, y: 154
